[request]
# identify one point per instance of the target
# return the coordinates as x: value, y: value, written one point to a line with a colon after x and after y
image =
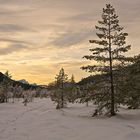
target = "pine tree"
x: 5, y: 87
x: 8, y: 74
x: 109, y: 55
x: 130, y: 87
x: 72, y: 80
x: 59, y: 88
x: 71, y: 90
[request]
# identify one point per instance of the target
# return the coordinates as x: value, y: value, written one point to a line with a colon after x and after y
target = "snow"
x: 40, y: 120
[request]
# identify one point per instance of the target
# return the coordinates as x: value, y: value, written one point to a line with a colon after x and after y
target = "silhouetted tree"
x: 58, y: 89
x: 130, y: 86
x: 109, y: 56
x: 5, y: 87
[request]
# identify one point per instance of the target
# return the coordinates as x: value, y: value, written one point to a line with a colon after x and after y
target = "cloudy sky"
x: 38, y: 37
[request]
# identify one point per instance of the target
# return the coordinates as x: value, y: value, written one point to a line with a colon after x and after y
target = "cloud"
x: 80, y: 17
x: 35, y: 30
x: 70, y: 38
x: 3, y: 64
x: 10, y: 40
x: 71, y: 63
x: 12, y: 48
x: 7, y: 11
x: 13, y: 28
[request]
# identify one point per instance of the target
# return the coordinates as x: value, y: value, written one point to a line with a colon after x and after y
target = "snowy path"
x: 41, y: 121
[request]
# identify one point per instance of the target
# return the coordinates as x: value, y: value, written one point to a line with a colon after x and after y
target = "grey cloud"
x: 4, y: 13
x: 71, y: 38
x: 14, y: 13
x: 72, y: 12
x: 19, y: 2
x: 70, y: 63
x: 80, y: 17
x: 51, y: 26
x: 13, y: 28
x: 10, y: 40
x: 12, y: 48
x: 127, y: 11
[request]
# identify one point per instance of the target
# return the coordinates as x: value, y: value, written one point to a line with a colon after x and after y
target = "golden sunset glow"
x: 38, y: 37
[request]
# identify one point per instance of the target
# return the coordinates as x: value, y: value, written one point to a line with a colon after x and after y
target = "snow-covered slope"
x: 41, y: 121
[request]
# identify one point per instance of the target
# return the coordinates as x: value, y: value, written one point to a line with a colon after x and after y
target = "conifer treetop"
x: 111, y: 42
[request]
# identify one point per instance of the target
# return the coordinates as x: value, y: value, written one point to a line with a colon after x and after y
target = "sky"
x: 39, y: 37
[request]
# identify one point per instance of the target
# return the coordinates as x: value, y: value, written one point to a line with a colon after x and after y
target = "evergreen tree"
x: 71, y: 90
x: 130, y: 87
x: 59, y: 88
x: 109, y: 56
x: 85, y: 93
x: 5, y: 87
x: 7, y: 74
x: 72, y: 80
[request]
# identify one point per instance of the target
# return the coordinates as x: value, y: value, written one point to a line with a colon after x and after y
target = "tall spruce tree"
x: 109, y: 55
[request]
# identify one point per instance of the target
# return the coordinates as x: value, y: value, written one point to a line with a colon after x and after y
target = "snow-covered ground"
x: 41, y: 121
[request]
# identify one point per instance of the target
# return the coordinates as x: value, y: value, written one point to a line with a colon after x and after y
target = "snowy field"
x: 41, y: 121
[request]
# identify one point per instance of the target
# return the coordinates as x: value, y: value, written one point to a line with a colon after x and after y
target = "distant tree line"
x: 11, y: 90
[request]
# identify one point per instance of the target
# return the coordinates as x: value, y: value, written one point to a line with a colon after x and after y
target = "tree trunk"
x: 62, y: 97
x: 112, y: 111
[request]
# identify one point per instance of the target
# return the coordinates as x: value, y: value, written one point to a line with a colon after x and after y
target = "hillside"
x: 23, y: 85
